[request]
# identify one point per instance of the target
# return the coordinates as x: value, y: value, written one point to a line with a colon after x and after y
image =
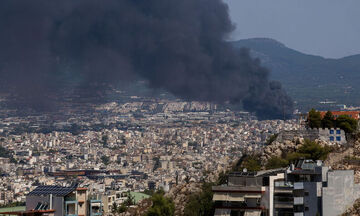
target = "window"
x: 331, y: 138
x: 338, y: 132
x: 331, y: 131
x: 338, y: 138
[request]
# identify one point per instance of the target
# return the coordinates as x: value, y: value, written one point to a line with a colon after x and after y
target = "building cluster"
x: 155, y: 151
x: 306, y: 188
x: 73, y: 200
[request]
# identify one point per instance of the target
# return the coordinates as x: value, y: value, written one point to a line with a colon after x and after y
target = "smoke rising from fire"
x: 176, y: 45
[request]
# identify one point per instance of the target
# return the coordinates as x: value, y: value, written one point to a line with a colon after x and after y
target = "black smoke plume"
x: 178, y: 45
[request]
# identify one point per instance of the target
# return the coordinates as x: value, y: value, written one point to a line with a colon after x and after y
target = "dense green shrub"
x: 348, y: 124
x: 249, y: 162
x: 162, y: 206
x: 314, y: 119
x: 309, y: 150
x: 201, y: 204
x: 313, y: 150
x: 276, y: 162
x: 344, y: 122
x: 328, y: 121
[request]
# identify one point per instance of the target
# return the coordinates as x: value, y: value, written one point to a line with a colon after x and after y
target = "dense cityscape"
x: 161, y: 150
x: 179, y: 108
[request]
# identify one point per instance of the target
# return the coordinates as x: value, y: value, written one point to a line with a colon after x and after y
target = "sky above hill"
x: 329, y: 28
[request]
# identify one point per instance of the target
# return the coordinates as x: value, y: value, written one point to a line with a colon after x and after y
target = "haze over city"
x: 179, y: 107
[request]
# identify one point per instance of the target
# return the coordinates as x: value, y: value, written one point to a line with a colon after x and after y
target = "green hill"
x: 309, y: 79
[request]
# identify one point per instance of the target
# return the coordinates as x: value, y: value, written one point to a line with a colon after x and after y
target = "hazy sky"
x: 330, y: 28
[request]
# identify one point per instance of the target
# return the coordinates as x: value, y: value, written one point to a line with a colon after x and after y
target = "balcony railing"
x: 237, y: 205
x: 284, y: 189
x: 284, y: 205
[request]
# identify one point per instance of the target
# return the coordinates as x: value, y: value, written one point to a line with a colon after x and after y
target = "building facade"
x: 60, y: 201
x: 306, y: 188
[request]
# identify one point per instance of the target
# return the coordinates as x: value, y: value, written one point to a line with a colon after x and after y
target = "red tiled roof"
x: 81, y: 189
x: 352, y: 114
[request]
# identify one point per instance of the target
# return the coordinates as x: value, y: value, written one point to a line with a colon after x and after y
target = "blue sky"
x: 329, y: 28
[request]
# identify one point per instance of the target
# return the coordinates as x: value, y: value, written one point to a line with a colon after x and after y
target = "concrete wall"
x: 32, y: 201
x: 324, y: 135
x: 269, y: 194
x: 340, y: 193
x: 82, y: 206
x: 311, y: 134
x: 312, y: 200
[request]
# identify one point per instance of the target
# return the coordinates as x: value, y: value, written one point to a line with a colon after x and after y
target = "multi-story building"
x: 306, y: 188
x: 247, y: 193
x: 319, y: 190
x: 59, y: 201
x: 112, y: 198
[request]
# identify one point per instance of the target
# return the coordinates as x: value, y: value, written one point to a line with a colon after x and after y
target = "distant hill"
x: 309, y: 79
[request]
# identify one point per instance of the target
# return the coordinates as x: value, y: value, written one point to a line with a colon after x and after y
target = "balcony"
x: 283, y: 190
x: 285, y: 202
x: 238, y: 205
x: 284, y: 205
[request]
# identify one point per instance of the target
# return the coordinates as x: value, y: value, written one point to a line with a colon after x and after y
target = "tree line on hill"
x: 309, y: 150
x: 344, y: 122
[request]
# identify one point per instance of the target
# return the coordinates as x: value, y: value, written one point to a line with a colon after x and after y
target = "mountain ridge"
x: 308, y: 78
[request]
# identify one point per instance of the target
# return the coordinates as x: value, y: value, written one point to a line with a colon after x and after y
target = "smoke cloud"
x: 176, y: 45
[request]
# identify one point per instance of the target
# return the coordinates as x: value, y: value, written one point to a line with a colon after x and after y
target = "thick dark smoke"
x: 178, y: 45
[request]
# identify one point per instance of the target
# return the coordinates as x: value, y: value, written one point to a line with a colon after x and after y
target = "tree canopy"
x: 201, y: 203
x: 276, y: 162
x: 328, y: 121
x: 309, y: 150
x: 344, y: 122
x: 314, y: 119
x: 162, y: 206
x: 348, y: 124
x: 249, y: 162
